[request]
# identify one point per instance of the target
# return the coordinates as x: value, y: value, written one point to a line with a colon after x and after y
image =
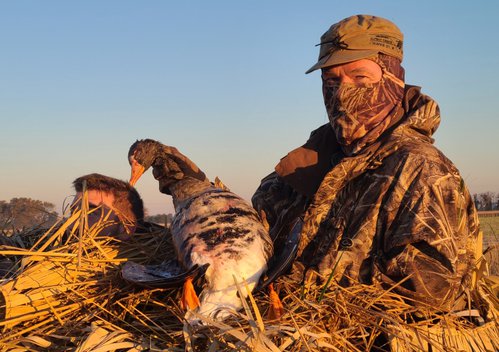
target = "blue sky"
x: 223, y: 81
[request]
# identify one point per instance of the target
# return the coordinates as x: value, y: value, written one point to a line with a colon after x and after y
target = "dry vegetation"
x: 490, y: 228
x: 65, y: 293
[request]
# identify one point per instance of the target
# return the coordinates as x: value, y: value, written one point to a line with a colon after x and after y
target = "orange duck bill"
x: 137, y: 171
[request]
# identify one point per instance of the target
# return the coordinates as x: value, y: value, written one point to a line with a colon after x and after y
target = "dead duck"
x: 117, y: 197
x: 211, y: 226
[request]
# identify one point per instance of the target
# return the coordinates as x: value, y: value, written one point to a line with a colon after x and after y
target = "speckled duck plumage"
x: 211, y: 226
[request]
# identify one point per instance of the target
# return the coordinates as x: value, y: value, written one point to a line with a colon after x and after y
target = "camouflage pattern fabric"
x: 359, y: 115
x: 397, y: 214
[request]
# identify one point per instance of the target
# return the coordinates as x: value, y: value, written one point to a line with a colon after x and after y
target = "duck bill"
x: 137, y: 171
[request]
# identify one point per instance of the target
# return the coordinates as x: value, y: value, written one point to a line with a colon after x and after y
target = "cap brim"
x: 342, y: 57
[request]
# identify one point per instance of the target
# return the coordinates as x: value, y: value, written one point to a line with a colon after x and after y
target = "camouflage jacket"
x: 398, y: 214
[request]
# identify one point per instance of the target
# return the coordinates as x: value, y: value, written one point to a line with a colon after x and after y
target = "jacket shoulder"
x: 422, y: 157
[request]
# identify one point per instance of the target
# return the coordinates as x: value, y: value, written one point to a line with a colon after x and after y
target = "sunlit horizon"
x: 222, y: 81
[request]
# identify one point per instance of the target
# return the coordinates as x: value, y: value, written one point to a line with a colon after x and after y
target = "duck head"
x: 169, y: 165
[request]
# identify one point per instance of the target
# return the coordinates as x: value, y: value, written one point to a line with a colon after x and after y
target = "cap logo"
x: 386, y: 41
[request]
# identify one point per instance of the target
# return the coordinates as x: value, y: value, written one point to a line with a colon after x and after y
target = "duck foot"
x: 189, y: 299
x: 276, y: 310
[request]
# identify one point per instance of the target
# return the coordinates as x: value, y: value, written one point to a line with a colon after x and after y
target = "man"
x: 380, y: 204
x: 114, y: 209
x: 112, y: 200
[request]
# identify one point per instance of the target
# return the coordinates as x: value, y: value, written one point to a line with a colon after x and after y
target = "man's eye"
x: 331, y: 82
x: 361, y: 77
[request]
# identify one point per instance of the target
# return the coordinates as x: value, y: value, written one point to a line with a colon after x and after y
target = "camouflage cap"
x: 359, y: 37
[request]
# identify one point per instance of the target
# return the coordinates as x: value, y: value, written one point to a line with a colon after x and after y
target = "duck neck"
x: 187, y: 188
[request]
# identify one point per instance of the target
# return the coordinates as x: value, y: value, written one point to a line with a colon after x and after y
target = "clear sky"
x: 223, y: 81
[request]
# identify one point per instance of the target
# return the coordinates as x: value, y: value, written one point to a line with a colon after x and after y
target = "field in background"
x: 490, y: 228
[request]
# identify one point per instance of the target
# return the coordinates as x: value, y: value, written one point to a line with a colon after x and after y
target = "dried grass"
x: 67, y: 295
x: 490, y: 227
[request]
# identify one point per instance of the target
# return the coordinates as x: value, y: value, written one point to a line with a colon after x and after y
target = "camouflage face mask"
x: 359, y: 115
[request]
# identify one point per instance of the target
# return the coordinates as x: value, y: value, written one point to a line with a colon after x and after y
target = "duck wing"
x: 281, y: 262
x: 166, y: 275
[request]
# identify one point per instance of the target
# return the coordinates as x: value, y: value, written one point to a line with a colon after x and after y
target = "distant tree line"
x: 20, y: 214
x: 23, y: 213
x: 160, y: 219
x: 486, y: 201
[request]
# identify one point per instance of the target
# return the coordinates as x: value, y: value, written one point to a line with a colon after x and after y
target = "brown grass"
x: 67, y: 295
x: 489, y: 225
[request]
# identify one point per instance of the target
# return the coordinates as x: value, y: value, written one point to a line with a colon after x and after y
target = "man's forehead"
x: 98, y: 197
x: 354, y: 67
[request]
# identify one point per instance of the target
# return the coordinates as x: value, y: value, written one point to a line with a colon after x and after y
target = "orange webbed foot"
x: 276, y: 309
x: 189, y: 299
